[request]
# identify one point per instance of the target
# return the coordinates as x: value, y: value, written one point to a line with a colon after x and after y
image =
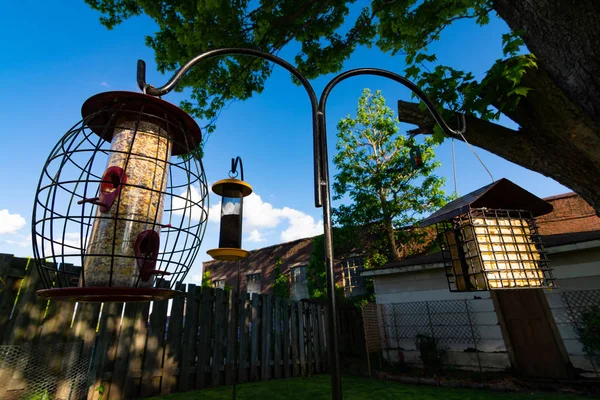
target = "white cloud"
x: 10, y: 223
x: 197, y: 278
x: 19, y: 241
x: 186, y: 203
x: 71, y: 244
x: 260, y: 215
x: 231, y: 208
x: 301, y: 225
x: 256, y: 237
x: 104, y: 84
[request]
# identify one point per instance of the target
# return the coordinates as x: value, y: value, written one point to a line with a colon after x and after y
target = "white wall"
x: 431, y: 285
x: 574, y: 271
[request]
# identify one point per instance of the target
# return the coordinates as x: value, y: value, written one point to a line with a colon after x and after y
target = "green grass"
x: 318, y: 387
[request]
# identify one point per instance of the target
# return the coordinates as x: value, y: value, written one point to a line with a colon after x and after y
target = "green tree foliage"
x: 280, y: 286
x: 206, y: 279
x: 327, y: 36
x: 384, y: 190
x: 589, y: 330
x: 316, y: 275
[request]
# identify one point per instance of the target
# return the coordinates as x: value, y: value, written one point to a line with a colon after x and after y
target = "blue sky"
x: 54, y: 55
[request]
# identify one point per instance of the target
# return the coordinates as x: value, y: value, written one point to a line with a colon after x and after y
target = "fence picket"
x: 232, y: 336
x: 172, y: 364
x: 295, y: 348
x: 254, y: 338
x: 277, y: 347
x: 120, y: 369
x: 243, y: 356
x: 301, y: 339
x: 286, y: 338
x: 204, y: 340
x: 315, y: 337
x: 219, y: 331
x: 155, y: 349
x: 189, y: 334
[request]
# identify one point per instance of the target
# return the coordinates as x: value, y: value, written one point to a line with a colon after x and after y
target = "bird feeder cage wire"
x: 486, y: 249
x: 112, y: 199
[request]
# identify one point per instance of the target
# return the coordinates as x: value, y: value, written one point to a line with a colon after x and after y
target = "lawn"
x: 354, y: 388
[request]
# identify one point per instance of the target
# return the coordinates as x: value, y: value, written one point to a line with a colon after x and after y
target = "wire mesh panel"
x: 50, y: 371
x: 449, y: 322
x: 578, y: 303
x: 493, y: 249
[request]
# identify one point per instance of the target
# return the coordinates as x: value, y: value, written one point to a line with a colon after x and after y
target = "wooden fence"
x: 145, y: 349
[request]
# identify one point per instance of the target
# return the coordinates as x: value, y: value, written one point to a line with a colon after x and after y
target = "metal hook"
x: 233, y: 173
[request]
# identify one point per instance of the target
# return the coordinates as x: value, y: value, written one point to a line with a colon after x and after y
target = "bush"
x: 589, y: 330
x: 432, y: 355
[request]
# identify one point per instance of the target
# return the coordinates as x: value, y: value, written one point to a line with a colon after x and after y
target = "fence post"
x: 468, y: 311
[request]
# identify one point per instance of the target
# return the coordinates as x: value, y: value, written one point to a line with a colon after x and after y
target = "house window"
x: 253, y: 283
x: 354, y: 284
x: 219, y: 283
x: 299, y: 283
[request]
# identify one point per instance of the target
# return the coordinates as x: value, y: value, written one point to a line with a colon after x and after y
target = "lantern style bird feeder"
x: 232, y: 191
x: 113, y: 199
x: 490, y: 241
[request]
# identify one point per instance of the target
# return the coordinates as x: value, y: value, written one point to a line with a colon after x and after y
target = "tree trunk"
x: 564, y: 35
x: 389, y: 228
x: 556, y: 137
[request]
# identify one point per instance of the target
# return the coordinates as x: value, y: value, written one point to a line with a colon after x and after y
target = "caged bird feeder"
x: 232, y: 192
x: 490, y: 241
x: 113, y: 198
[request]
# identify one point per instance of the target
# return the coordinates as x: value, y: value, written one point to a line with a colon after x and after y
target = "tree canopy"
x: 386, y: 191
x: 547, y: 81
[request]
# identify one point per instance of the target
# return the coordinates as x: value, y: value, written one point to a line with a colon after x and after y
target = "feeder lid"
x: 228, y: 254
x: 184, y: 140
x: 219, y: 187
x: 499, y: 195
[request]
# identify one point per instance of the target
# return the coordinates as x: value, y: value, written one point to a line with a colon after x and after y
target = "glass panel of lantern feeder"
x: 231, y: 219
x: 124, y: 243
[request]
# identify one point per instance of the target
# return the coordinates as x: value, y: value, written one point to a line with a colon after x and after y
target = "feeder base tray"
x: 107, y: 294
x: 228, y: 254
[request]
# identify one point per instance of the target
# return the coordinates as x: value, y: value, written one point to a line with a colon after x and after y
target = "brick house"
x: 257, y: 272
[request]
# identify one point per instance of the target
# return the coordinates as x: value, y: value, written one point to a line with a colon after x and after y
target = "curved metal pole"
x: 403, y: 81
x: 326, y: 196
x: 321, y: 179
x: 170, y: 85
x: 321, y: 167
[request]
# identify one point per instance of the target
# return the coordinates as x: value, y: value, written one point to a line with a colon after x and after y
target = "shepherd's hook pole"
x: 322, y: 187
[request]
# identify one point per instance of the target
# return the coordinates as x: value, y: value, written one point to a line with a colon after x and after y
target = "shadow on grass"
x: 354, y: 388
